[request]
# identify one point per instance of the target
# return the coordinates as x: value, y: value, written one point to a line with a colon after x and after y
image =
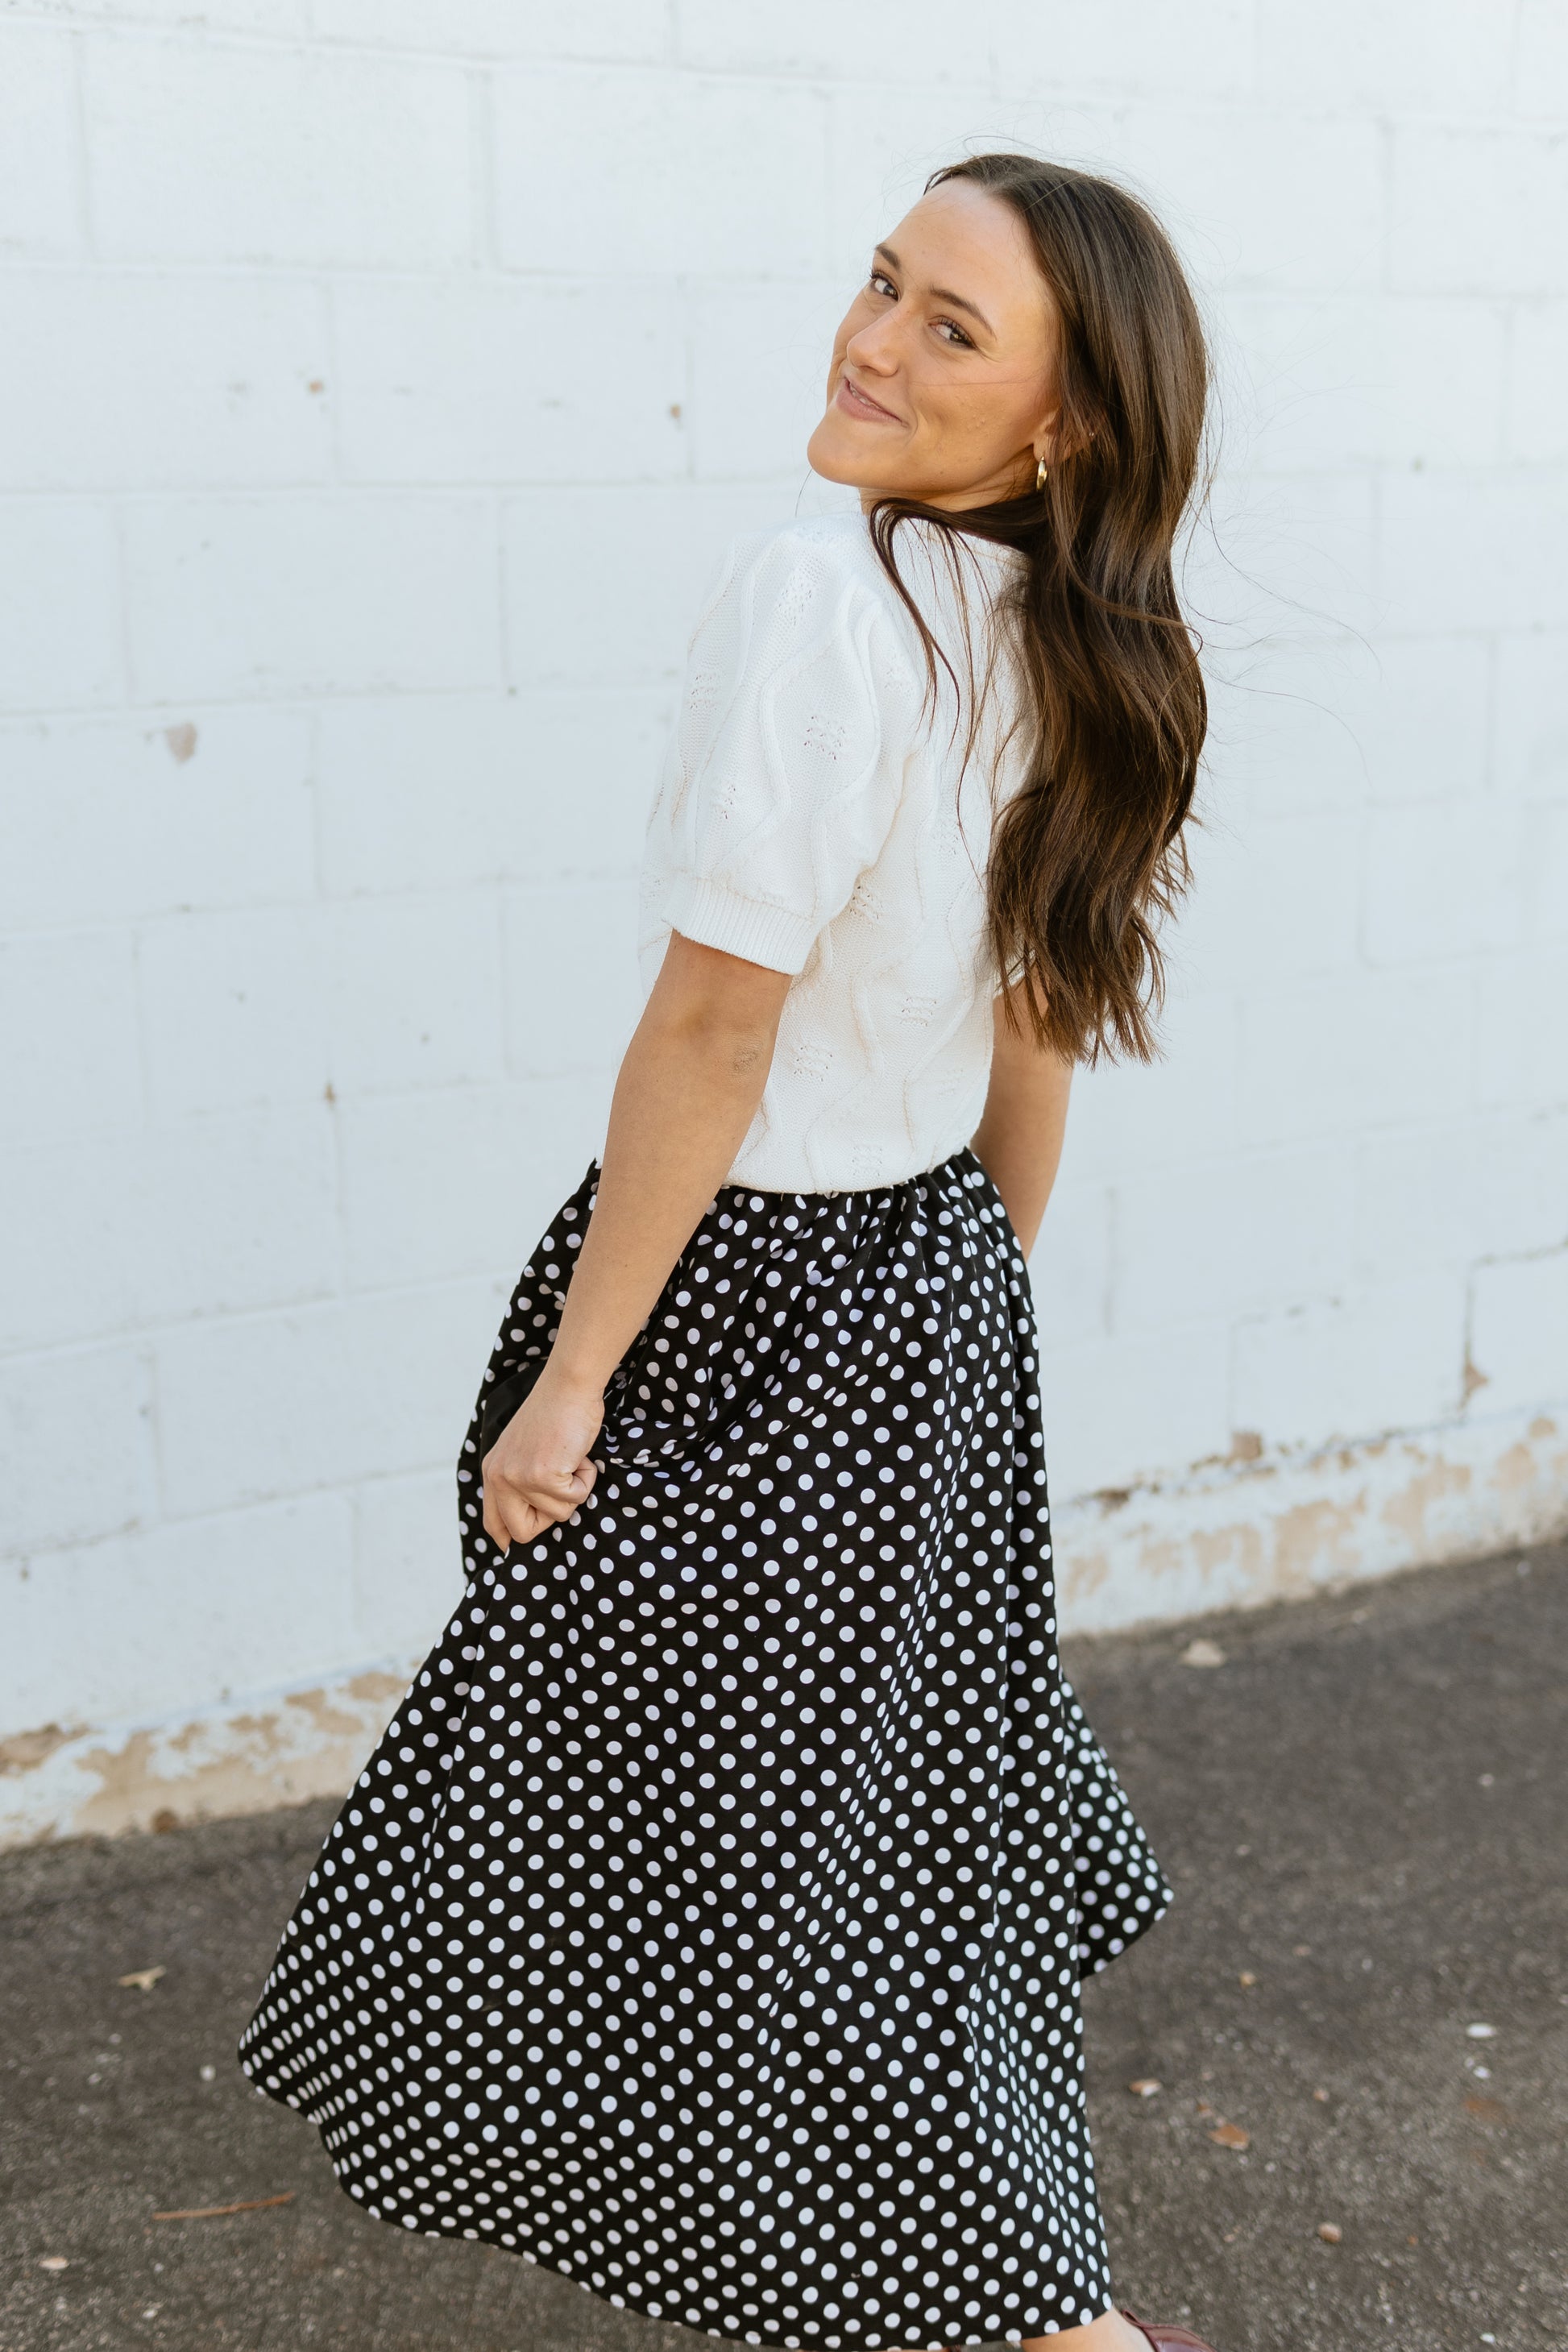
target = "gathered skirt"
x: 707, y: 1926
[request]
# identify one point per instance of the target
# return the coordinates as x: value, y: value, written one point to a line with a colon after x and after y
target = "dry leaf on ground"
x: 1486, y: 2111
x: 1145, y: 2087
x: 1203, y: 1653
x: 143, y: 1978
x: 1329, y: 2232
x: 1230, y: 2135
x: 215, y: 2212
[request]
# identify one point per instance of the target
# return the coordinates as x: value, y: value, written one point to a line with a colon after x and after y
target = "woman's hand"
x: 537, y: 1470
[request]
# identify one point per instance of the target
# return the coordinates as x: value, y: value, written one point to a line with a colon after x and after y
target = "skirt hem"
x: 662, y: 2312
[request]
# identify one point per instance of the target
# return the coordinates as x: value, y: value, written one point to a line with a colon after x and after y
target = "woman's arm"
x: 1019, y: 1140
x: 687, y: 1090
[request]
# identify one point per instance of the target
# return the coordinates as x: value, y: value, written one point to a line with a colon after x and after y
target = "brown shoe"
x: 1167, y: 2339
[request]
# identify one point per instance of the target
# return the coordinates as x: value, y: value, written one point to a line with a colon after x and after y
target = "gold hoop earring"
x: 1041, y: 470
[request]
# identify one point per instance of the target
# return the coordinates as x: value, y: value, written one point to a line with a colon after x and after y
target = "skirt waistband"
x: 960, y: 1167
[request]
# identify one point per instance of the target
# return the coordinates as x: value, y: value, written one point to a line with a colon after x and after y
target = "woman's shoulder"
x: 817, y: 588
x: 812, y: 588
x: 827, y: 551
x: 841, y: 548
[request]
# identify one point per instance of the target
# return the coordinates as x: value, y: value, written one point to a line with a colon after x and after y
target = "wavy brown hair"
x: 1087, y: 856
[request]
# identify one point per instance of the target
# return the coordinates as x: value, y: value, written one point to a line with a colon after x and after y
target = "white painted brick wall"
x: 203, y: 150
x: 379, y: 383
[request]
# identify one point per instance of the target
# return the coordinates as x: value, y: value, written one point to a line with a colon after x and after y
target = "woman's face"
x: 943, y: 386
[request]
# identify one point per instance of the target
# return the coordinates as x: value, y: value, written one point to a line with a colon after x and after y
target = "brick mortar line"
x: 1109, y: 96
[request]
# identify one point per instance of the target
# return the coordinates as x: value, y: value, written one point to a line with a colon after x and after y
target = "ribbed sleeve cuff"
x: 716, y: 918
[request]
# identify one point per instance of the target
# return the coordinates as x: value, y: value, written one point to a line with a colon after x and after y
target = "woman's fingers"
x: 516, y: 1510
x: 495, y: 1525
x: 526, y: 1488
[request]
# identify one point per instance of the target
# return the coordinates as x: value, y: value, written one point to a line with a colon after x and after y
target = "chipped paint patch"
x: 1407, y: 1511
x: 371, y: 1688
x: 27, y: 1750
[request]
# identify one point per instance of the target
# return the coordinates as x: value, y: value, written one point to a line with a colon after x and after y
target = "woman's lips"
x: 855, y: 402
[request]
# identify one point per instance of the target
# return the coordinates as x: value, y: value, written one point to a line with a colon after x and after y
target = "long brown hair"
x: 1088, y: 855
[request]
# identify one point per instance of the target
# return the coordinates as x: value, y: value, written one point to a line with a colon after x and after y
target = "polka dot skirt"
x: 709, y: 1924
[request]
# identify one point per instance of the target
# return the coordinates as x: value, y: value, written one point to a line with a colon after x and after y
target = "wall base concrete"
x: 1240, y: 1533
x: 275, y: 1748
x: 1225, y: 1535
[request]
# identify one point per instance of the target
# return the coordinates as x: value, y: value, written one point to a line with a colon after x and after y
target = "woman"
x: 709, y: 1924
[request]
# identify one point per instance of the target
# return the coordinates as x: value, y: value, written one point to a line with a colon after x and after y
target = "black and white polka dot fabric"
x: 709, y: 1923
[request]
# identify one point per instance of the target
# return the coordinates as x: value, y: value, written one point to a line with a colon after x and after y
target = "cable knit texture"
x: 817, y: 816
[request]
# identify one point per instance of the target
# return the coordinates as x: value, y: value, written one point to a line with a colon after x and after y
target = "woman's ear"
x: 1054, y: 444
x: 1046, y: 445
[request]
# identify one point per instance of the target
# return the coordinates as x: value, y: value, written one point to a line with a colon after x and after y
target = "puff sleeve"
x: 785, y: 769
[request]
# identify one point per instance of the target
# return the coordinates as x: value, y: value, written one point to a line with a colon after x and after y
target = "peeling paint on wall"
x: 28, y: 1750
x: 1245, y: 1533
x: 242, y: 1758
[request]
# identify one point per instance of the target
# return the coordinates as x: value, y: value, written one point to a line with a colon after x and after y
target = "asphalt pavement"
x: 1356, y: 2014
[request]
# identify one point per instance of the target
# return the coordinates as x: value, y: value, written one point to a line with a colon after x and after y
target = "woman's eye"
x: 880, y: 285
x: 950, y: 332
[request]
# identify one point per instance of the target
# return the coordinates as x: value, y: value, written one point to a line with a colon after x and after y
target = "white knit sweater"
x: 815, y: 816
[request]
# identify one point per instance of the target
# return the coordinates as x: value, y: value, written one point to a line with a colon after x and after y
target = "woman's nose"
x: 875, y: 347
